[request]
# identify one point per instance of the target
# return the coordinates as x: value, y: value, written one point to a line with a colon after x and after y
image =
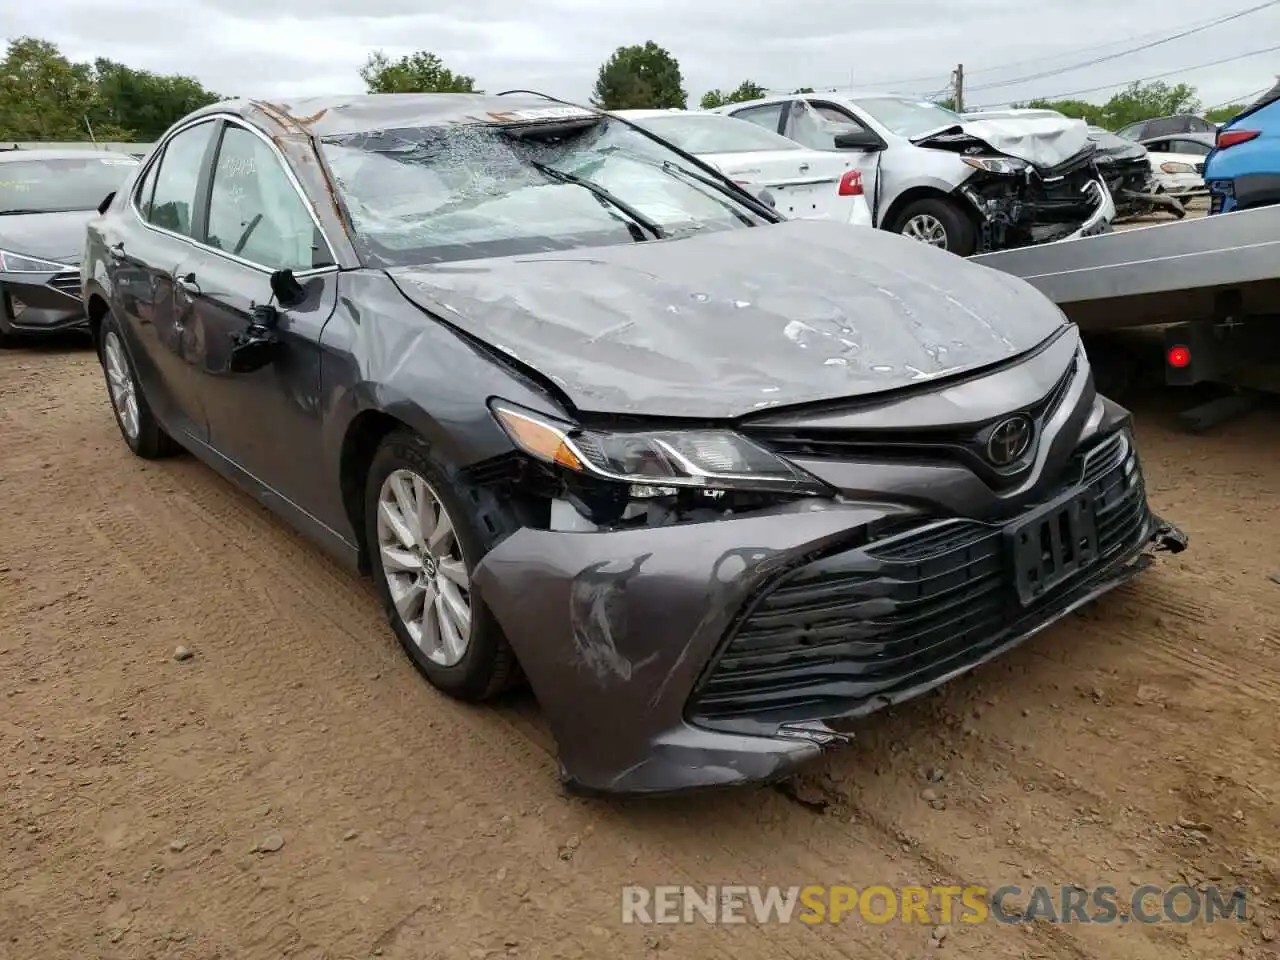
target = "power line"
x: 1182, y: 31
x: 1153, y: 76
x: 1128, y: 51
x: 1243, y: 98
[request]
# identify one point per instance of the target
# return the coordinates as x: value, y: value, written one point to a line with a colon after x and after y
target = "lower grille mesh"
x: 845, y: 627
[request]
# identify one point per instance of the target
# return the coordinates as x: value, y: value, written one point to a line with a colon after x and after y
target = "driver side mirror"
x: 858, y: 140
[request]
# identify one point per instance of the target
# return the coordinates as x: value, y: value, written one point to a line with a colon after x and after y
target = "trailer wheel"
x: 939, y: 223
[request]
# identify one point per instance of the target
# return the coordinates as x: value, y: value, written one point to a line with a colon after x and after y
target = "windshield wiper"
x: 638, y: 218
x: 671, y: 169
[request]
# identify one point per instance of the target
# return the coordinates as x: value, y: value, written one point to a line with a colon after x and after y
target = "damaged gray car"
x: 715, y: 484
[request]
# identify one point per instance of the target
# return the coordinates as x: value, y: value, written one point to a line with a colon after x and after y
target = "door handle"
x: 189, y: 284
x: 804, y: 168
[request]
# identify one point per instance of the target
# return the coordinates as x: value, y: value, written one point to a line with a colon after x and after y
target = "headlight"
x: 650, y: 460
x: 1173, y: 166
x: 17, y: 263
x: 1007, y: 166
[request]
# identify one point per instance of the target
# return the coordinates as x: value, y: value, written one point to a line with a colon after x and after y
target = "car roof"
x: 330, y: 116
x: 69, y: 153
x: 845, y: 95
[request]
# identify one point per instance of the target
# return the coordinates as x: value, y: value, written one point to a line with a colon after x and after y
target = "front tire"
x: 423, y: 528
x: 939, y: 223
x: 138, y: 425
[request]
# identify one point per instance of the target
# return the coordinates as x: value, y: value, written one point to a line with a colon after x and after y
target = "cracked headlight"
x: 17, y: 263
x: 1006, y: 166
x: 651, y: 460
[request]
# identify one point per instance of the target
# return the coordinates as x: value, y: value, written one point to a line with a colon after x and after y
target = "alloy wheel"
x: 927, y: 229
x: 422, y: 561
x: 124, y: 393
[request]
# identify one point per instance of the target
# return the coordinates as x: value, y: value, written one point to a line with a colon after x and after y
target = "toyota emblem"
x: 1009, y: 440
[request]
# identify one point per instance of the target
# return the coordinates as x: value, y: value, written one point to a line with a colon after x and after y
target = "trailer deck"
x: 1165, y: 273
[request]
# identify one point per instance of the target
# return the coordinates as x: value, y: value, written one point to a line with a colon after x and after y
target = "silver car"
x: 967, y: 185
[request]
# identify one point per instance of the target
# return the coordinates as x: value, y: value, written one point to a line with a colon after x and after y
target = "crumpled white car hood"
x: 1044, y: 141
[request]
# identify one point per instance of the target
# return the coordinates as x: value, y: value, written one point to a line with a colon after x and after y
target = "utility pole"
x: 958, y: 77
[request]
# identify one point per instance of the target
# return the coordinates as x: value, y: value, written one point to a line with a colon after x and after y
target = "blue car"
x: 1243, y: 169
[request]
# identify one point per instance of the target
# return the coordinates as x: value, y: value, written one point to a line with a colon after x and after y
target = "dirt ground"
x: 295, y: 789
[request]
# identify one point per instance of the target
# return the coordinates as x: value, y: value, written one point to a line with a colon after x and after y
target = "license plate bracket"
x: 1052, y: 543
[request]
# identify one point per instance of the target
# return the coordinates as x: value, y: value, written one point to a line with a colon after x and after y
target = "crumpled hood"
x: 730, y: 323
x: 49, y: 236
x: 1113, y: 149
x: 1043, y: 141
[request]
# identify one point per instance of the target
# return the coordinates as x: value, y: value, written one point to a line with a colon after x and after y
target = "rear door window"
x: 1192, y: 147
x: 768, y: 115
x: 173, y: 203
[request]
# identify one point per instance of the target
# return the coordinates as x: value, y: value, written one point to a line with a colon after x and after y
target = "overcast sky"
x: 294, y: 47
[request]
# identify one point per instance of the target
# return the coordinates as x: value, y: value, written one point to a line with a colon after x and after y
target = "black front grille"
x: 838, y: 631
x: 915, y: 446
x: 68, y: 283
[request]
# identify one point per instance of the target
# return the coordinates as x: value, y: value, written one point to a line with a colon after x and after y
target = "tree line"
x: 647, y: 76
x: 46, y: 96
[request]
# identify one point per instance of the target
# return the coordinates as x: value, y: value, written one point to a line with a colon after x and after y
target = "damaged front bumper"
x: 687, y: 656
x: 1012, y: 218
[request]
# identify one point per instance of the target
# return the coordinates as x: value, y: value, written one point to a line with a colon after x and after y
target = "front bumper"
x: 1104, y: 212
x: 719, y: 653
x: 36, y: 303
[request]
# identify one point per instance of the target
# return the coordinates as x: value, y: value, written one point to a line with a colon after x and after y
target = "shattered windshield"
x: 430, y: 194
x: 60, y: 185
x: 908, y: 118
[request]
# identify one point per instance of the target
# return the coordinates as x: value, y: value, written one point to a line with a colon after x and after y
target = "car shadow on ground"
x: 68, y: 342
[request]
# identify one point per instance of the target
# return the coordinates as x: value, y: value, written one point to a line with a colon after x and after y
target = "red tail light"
x: 1179, y: 357
x: 851, y: 184
x: 1229, y: 138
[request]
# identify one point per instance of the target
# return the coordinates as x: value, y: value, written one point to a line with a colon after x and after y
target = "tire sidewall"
x: 109, y: 326
x: 471, y: 676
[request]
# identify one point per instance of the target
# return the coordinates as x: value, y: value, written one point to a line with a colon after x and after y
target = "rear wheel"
x: 939, y: 223
x: 139, y: 427
x: 426, y: 532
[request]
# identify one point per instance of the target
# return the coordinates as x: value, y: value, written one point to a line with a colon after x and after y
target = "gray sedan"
x: 716, y: 484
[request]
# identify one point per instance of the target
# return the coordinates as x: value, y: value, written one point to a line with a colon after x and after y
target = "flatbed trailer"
x: 1212, y: 283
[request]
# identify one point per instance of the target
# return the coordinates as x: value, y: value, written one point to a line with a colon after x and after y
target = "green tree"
x: 1077, y: 109
x: 1138, y: 101
x: 802, y: 90
x: 1142, y: 101
x: 746, y: 90
x: 420, y: 72
x: 637, y: 77
x: 145, y: 103
x: 1223, y: 114
x: 43, y: 95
